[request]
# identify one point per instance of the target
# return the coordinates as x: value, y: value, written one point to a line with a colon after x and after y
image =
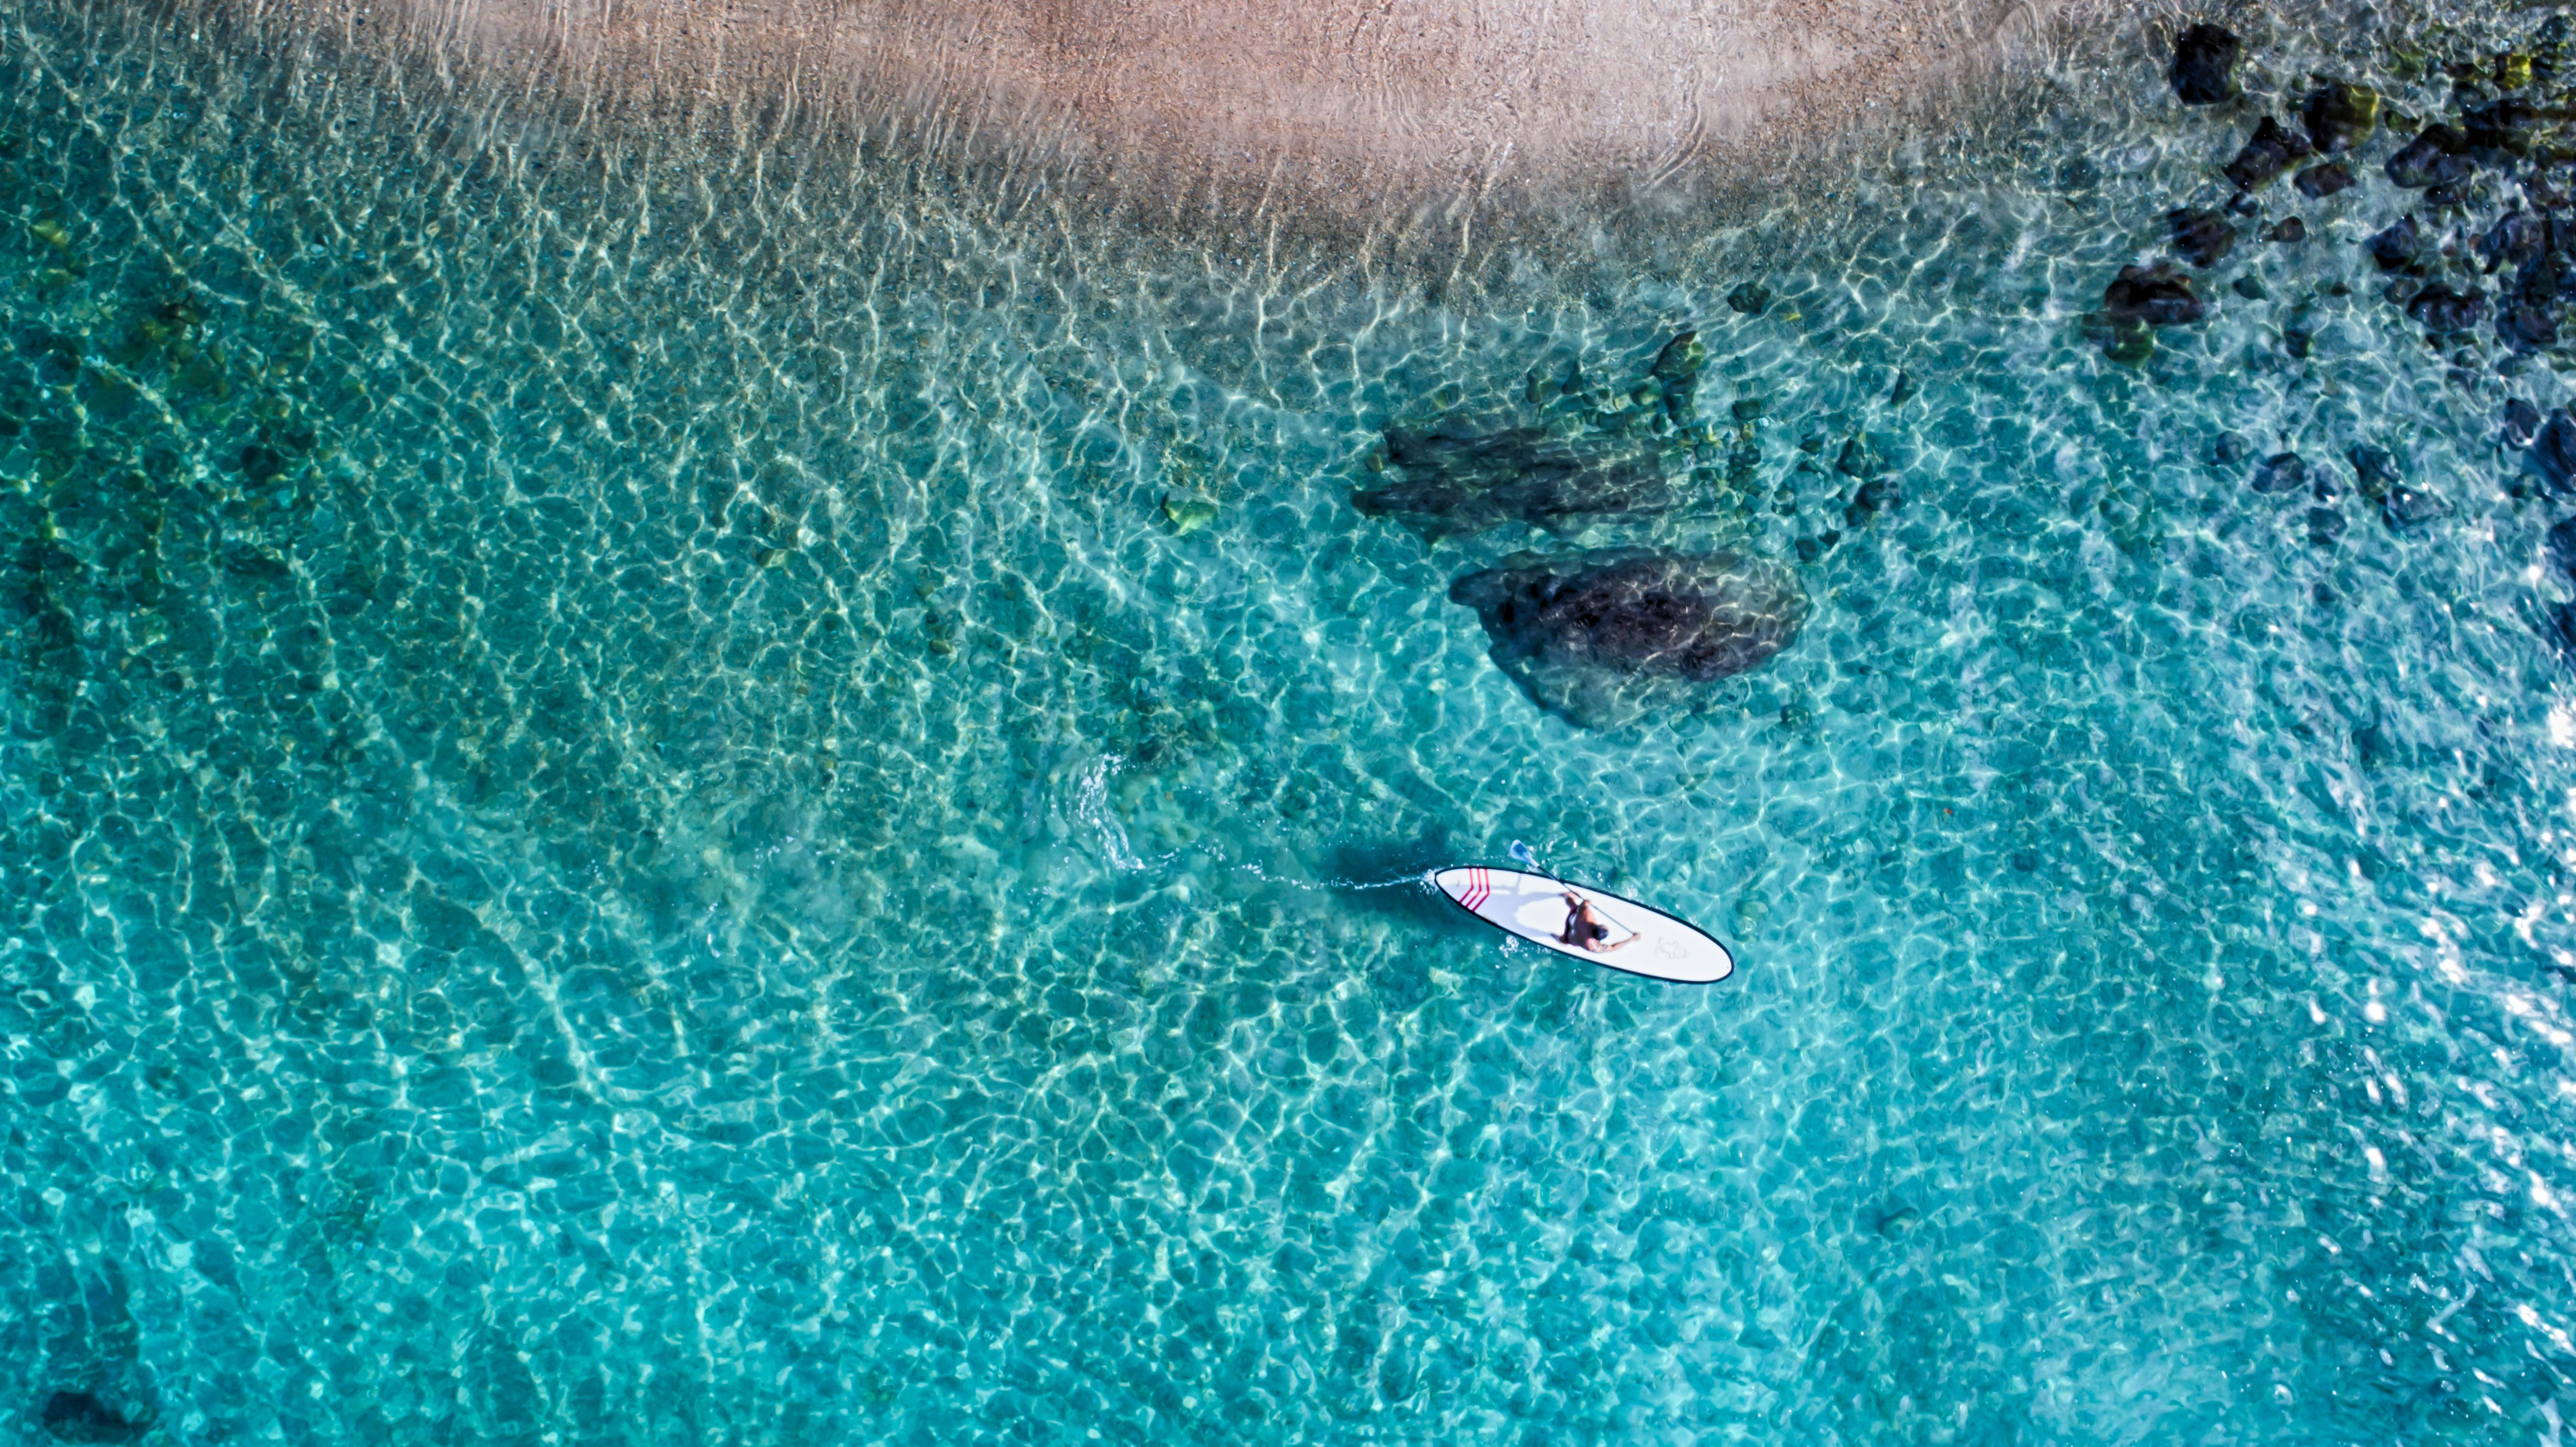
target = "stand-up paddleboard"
x: 1533, y: 907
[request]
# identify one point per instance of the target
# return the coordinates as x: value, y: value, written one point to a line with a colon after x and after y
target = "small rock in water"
x: 2249, y: 288
x: 1680, y: 360
x: 1187, y: 513
x: 2281, y: 472
x: 2204, y: 65
x: 2512, y: 71
x: 2130, y: 346
x: 2439, y: 308
x: 2340, y: 116
x: 2561, y: 547
x: 81, y: 1417
x: 2397, y: 248
x: 2318, y: 182
x: 2526, y: 328
x: 1878, y: 495
x: 1749, y: 298
x: 2401, y: 291
x: 2517, y: 237
x: 2289, y: 230
x: 2438, y: 155
x: 2521, y: 422
x: 2267, y: 153
x: 1598, y: 637
x: 1904, y: 390
x: 2299, y: 333
x: 2375, y: 469
x: 2553, y: 451
x: 2560, y: 628
x: 1857, y: 459
x: 2229, y: 450
x: 2156, y: 295
x: 2324, y: 526
x: 2501, y: 125
x: 2202, y: 238
x: 2407, y: 506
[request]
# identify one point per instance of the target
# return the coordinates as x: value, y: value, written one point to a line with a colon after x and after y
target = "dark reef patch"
x: 1600, y: 637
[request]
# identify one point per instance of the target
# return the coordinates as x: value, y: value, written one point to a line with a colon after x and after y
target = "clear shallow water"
x: 507, y: 650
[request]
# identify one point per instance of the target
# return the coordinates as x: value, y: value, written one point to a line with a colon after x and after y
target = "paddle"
x: 1523, y: 854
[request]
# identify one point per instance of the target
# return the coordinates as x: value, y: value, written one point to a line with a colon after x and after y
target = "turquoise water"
x: 656, y: 791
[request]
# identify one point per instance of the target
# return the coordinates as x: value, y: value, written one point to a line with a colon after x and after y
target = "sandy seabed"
x: 1330, y: 106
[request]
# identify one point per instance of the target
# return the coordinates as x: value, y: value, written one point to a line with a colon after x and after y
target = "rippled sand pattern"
x: 657, y: 798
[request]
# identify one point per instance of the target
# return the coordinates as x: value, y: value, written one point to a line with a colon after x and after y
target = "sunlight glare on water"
x: 665, y: 795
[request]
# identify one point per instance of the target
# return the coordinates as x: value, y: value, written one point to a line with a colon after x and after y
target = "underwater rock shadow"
x: 1593, y: 457
x: 1460, y: 482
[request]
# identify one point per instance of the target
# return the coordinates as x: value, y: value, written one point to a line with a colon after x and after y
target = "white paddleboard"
x: 1533, y: 907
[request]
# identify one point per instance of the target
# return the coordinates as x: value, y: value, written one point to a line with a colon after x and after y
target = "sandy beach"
x: 1343, y: 101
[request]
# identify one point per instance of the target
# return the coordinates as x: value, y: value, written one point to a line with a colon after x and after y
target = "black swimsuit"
x: 1580, y: 931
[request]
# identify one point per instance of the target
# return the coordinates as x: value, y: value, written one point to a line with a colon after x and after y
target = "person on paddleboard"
x: 1584, y: 927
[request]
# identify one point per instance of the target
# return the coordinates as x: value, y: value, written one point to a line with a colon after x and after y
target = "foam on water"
x: 630, y: 816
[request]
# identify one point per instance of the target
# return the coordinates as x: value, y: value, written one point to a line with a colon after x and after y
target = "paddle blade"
x: 1522, y: 853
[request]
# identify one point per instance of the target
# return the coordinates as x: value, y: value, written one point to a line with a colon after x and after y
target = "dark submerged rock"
x: 2406, y: 507
x: 2375, y: 469
x: 2202, y: 238
x: 2516, y: 237
x: 1598, y: 637
x: 2267, y: 153
x: 1460, y: 482
x: 2559, y: 627
x: 2299, y: 333
x: 2156, y: 295
x: 2340, y: 116
x: 1681, y: 359
x: 2229, y: 450
x: 2281, y: 472
x: 1675, y: 376
x: 2325, y: 525
x: 2560, y: 547
x: 1878, y: 495
x: 2439, y: 308
x: 2500, y: 125
x: 2402, y: 505
x: 2521, y: 422
x: 2526, y: 328
x: 2553, y: 451
x: 2437, y: 156
x: 2289, y: 230
x: 1749, y: 298
x: 1858, y: 459
x: 2318, y: 182
x: 2204, y: 64
x: 81, y: 1417
x: 2398, y: 247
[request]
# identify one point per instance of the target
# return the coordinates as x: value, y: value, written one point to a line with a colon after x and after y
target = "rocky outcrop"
x: 1602, y: 637
x: 2158, y: 296
x: 2204, y: 64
